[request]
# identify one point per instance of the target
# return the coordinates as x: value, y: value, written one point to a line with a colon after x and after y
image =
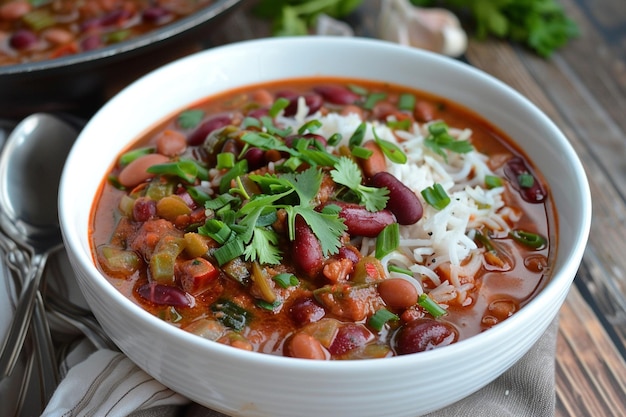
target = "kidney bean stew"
x: 37, y: 30
x: 326, y: 219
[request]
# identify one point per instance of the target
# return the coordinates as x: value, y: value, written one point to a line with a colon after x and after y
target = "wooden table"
x: 583, y: 89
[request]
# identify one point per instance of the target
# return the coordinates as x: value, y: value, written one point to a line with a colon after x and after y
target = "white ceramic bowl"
x: 251, y: 384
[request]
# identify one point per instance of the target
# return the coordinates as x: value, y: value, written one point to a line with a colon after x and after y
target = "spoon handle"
x: 16, y: 335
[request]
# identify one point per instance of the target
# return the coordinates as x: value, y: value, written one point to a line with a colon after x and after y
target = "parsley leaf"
x: 541, y: 25
x: 347, y: 173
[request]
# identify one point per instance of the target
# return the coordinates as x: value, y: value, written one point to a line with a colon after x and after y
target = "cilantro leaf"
x: 327, y: 227
x: 262, y: 247
x: 347, y: 173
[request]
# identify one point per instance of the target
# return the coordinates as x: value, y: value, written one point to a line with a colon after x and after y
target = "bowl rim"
x: 155, y: 36
x: 553, y: 290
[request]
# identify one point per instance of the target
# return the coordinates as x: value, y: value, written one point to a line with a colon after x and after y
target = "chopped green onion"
x: 430, y: 305
x: 220, y: 201
x: 280, y: 104
x: 372, y: 99
x: 361, y: 152
x: 225, y: 160
x: 436, y: 196
x: 231, y: 314
x: 310, y: 126
x: 406, y: 102
x: 130, y: 156
x: 117, y: 36
x: 286, y: 280
x: 357, y: 89
x: 492, y: 181
x: 357, y: 137
x: 378, y: 320
x: 394, y: 268
x: 532, y: 240
x: 190, y: 118
x: 334, y: 139
x: 391, y: 150
x: 250, y: 122
x: 437, y: 128
x: 238, y: 169
x: 198, y: 195
x: 404, y: 124
x: 485, y: 241
x: 39, y: 19
x: 388, y: 240
x: 231, y: 250
x: 268, y: 306
x: 525, y: 180
x: 216, y: 230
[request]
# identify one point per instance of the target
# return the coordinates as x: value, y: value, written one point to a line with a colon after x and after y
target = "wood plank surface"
x: 582, y: 88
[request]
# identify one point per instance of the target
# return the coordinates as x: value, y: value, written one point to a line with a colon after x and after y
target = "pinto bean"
x: 306, y: 250
x: 375, y: 163
x: 171, y: 143
x: 14, y: 10
x: 136, y: 172
x: 360, y: 221
x: 424, y: 111
x: 424, y: 334
x: 403, y: 202
x: 397, y: 292
x: 305, y: 346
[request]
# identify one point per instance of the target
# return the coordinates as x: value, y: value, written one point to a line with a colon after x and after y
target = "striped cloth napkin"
x: 106, y: 383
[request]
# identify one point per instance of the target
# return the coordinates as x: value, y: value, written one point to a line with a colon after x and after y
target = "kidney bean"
x: 91, y: 42
x: 313, y: 101
x: 337, y: 94
x: 231, y: 146
x: 136, y: 172
x: 155, y: 14
x: 516, y: 167
x: 375, y: 163
x: 397, y: 292
x: 171, y: 143
x: 403, y: 202
x: 306, y: 250
x: 351, y: 253
x: 198, y: 136
x: 255, y: 158
x: 305, y: 310
x: 144, y: 209
x: 258, y: 113
x: 360, y: 221
x: 165, y: 295
x: 349, y: 336
x: 305, y: 346
x: 23, y: 39
x: 424, y: 334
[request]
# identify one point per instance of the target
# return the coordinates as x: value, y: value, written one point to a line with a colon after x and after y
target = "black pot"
x: 80, y: 84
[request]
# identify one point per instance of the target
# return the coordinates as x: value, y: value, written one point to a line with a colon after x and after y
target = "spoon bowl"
x: 30, y: 170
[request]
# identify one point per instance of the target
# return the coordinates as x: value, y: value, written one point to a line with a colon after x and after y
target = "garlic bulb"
x: 434, y: 29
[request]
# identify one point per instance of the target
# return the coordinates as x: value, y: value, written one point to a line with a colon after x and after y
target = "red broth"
x: 254, y: 231
x: 36, y: 31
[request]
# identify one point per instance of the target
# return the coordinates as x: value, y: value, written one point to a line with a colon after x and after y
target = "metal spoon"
x: 30, y: 169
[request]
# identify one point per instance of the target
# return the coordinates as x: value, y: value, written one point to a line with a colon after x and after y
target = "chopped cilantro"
x: 347, y: 173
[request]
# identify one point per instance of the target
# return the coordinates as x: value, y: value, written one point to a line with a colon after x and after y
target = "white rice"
x: 441, y: 237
